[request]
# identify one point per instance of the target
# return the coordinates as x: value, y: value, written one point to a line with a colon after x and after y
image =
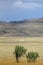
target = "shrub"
x: 19, y: 51
x: 32, y: 56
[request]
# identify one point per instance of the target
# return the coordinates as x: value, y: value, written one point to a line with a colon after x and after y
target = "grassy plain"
x: 7, y: 45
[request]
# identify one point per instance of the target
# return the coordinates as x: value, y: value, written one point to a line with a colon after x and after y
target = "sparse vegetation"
x: 19, y: 51
x: 32, y: 56
x: 7, y: 47
x: 23, y: 28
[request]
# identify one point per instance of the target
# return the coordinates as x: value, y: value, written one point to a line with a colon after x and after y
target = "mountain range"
x: 23, y: 28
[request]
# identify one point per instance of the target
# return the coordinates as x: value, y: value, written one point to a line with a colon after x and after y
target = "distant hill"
x: 24, y: 28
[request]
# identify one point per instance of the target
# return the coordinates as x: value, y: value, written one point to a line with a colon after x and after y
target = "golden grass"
x: 10, y: 61
x: 7, y: 45
x: 21, y: 39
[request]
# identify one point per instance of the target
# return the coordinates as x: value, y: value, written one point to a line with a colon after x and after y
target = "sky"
x: 14, y: 10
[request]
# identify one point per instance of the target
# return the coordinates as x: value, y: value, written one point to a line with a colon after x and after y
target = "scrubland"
x: 7, y: 46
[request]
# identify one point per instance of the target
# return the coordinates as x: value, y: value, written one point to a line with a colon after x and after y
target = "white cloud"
x: 19, y: 4
x: 27, y: 5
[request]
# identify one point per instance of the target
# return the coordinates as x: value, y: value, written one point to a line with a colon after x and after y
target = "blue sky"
x: 11, y: 10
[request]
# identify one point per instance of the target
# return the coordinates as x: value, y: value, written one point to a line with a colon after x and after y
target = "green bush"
x: 19, y: 51
x: 32, y: 56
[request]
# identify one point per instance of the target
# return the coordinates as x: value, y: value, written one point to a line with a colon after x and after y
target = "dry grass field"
x: 7, y: 45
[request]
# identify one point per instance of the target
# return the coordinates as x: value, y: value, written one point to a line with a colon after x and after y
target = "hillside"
x: 28, y: 28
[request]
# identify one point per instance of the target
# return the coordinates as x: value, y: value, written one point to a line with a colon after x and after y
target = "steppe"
x: 7, y: 46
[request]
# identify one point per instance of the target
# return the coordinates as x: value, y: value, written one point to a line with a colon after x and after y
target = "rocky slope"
x: 28, y: 28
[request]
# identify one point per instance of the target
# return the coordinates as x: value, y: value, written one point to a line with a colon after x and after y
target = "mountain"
x: 24, y: 28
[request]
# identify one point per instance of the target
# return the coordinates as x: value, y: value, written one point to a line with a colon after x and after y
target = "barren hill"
x: 28, y: 28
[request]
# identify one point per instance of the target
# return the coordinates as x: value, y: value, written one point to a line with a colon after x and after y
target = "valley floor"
x: 8, y: 44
